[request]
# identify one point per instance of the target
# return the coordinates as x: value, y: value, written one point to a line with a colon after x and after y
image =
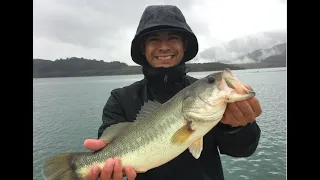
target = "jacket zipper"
x: 165, y: 79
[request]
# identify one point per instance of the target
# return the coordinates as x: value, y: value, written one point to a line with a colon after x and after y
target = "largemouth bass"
x: 160, y: 132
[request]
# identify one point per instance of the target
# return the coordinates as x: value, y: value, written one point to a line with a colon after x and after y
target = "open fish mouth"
x: 234, y: 83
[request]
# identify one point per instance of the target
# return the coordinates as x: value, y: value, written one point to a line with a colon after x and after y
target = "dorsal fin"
x: 148, y: 108
x: 110, y: 133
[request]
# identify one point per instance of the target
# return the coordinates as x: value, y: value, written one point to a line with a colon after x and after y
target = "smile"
x: 164, y: 57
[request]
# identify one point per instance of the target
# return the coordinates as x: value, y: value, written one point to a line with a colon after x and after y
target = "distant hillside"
x: 279, y: 60
x: 261, y: 55
x: 229, y: 51
x: 262, y: 58
x: 75, y: 67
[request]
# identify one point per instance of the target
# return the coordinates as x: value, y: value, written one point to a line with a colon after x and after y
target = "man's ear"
x: 185, y: 45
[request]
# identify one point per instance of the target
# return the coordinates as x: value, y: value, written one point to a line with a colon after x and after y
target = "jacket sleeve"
x: 112, y: 112
x: 239, y: 141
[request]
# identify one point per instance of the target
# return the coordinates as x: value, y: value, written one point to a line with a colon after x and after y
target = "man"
x: 162, y: 44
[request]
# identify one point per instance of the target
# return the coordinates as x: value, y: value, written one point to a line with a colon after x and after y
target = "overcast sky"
x: 103, y: 29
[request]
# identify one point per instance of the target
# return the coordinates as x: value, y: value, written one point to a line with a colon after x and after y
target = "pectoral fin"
x: 196, y: 148
x: 182, y: 135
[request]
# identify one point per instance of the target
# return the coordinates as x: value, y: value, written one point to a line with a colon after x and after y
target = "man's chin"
x: 165, y: 65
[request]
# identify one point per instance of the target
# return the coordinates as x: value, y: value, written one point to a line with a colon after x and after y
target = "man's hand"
x: 112, y: 169
x: 243, y: 112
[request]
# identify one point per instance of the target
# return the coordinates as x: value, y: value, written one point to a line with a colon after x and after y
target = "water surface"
x: 66, y: 111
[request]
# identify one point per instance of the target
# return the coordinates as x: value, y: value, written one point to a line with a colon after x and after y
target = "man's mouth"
x: 164, y: 57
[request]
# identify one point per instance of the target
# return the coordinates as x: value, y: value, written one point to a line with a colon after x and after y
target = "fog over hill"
x: 239, y: 47
x: 260, y: 55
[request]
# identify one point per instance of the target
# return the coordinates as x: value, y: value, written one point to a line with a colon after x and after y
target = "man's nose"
x: 164, y: 46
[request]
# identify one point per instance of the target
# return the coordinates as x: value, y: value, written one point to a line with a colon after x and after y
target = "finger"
x: 237, y: 113
x: 117, y: 170
x: 107, y: 169
x: 229, y: 119
x: 255, y: 105
x: 130, y: 173
x: 247, y: 111
x: 249, y: 87
x: 233, y: 120
x: 226, y: 117
x: 94, y: 144
x: 94, y: 173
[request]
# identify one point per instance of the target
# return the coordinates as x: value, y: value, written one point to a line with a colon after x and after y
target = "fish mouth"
x: 234, y: 83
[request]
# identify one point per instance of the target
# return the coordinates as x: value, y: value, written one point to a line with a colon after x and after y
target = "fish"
x: 160, y: 132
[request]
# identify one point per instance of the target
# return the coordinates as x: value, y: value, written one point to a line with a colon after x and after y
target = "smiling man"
x: 163, y: 43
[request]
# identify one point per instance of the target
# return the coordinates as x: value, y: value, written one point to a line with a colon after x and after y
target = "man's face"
x: 164, y: 49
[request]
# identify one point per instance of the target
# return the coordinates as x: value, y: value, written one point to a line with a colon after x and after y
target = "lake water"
x: 66, y: 111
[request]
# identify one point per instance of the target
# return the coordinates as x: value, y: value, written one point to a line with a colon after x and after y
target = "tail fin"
x: 60, y: 167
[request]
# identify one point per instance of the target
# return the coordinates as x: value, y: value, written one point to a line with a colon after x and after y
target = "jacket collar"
x: 165, y: 82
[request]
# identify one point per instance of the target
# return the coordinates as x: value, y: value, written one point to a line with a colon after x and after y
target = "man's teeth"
x: 164, y: 57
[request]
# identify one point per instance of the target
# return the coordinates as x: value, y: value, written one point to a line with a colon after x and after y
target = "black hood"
x: 163, y: 17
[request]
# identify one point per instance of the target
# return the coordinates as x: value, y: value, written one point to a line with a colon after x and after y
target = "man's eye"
x: 152, y: 39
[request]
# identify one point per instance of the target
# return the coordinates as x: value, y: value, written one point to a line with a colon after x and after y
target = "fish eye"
x: 211, y: 79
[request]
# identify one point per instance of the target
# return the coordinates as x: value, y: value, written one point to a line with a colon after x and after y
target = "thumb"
x: 94, y: 144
